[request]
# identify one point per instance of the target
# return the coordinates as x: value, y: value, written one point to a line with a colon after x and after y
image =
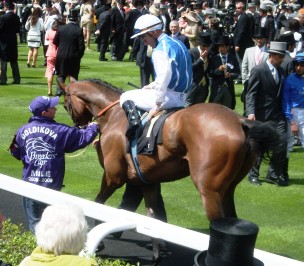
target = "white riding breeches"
x: 298, y: 115
x: 146, y: 99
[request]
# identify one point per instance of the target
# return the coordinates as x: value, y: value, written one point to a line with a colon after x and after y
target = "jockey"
x: 173, y: 74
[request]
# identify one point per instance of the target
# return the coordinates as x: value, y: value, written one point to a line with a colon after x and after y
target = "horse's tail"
x: 262, y: 137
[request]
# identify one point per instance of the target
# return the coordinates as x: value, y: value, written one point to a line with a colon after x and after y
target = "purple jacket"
x: 41, y: 145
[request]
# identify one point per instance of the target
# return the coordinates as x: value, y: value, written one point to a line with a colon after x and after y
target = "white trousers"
x: 298, y: 115
x: 146, y: 99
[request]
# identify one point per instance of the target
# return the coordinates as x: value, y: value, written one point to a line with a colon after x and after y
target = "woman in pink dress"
x: 51, y: 56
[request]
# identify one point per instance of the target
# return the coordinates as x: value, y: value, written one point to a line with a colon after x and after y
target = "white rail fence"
x: 116, y: 220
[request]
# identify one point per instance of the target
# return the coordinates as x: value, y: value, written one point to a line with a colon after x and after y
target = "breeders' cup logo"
x: 39, y: 151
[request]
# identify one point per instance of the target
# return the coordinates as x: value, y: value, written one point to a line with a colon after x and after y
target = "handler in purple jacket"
x: 41, y: 145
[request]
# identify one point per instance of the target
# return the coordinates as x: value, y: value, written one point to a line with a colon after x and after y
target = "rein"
x: 100, y: 113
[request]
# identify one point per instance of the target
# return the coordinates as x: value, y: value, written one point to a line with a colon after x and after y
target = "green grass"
x: 278, y: 211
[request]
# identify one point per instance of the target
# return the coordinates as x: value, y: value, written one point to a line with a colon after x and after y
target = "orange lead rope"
x: 100, y: 113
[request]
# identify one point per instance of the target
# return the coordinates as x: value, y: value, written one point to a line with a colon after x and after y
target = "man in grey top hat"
x: 253, y: 56
x: 264, y: 103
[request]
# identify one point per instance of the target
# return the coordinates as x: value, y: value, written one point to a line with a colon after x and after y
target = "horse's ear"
x: 72, y: 79
x: 61, y: 84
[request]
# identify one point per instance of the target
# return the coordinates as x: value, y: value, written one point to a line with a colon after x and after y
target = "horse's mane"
x: 106, y: 84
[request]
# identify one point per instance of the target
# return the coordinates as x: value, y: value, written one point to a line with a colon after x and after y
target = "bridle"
x: 72, y: 111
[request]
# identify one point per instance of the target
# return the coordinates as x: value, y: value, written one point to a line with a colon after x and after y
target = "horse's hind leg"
x: 228, y: 200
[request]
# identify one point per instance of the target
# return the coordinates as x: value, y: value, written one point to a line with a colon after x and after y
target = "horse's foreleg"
x: 228, y: 200
x: 151, y: 197
x: 106, y: 190
x: 212, y: 201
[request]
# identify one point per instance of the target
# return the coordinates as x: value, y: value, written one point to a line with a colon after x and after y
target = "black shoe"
x: 279, y: 181
x: 3, y: 83
x: 103, y: 59
x: 28, y: 65
x: 254, y: 181
x: 16, y: 82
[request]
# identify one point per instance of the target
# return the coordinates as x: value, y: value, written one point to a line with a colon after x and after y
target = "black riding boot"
x: 133, y: 118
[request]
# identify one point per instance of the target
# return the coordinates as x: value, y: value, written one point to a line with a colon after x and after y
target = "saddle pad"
x: 152, y: 136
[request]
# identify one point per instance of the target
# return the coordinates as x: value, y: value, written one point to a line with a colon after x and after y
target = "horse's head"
x: 74, y: 105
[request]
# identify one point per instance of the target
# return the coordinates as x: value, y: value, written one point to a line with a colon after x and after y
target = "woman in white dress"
x: 34, y: 25
x: 86, y: 22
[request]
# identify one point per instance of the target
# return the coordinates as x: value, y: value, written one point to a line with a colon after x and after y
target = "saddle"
x: 148, y: 136
x: 149, y: 132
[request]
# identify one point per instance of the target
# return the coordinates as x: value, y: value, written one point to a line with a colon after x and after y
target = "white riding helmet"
x: 146, y: 23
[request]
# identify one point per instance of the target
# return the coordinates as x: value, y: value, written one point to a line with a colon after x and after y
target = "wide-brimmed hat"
x: 277, y: 48
x: 154, y: 10
x: 287, y: 37
x: 73, y: 16
x: 222, y: 39
x: 42, y: 103
x: 146, y: 23
x: 231, y: 243
x: 261, y: 33
x: 192, y: 16
x: 204, y: 38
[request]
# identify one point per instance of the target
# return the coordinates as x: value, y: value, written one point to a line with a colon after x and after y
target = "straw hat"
x: 153, y: 10
x: 192, y: 16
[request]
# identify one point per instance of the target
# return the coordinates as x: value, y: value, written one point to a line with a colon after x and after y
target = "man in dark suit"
x: 165, y: 18
x: 25, y: 13
x: 130, y: 20
x: 70, y: 42
x: 9, y: 27
x: 104, y: 31
x: 224, y: 69
x: 287, y: 64
x: 200, y: 66
x: 266, y: 21
x: 118, y: 30
x: 242, y: 34
x: 143, y: 60
x: 264, y: 103
x: 175, y: 33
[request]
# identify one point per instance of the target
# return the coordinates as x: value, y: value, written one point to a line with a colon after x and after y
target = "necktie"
x: 274, y: 74
x: 224, y: 59
x: 258, y: 57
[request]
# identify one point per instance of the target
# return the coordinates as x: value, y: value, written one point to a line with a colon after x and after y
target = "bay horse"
x: 211, y: 143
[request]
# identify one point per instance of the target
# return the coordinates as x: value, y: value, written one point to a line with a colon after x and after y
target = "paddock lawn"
x: 278, y: 211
